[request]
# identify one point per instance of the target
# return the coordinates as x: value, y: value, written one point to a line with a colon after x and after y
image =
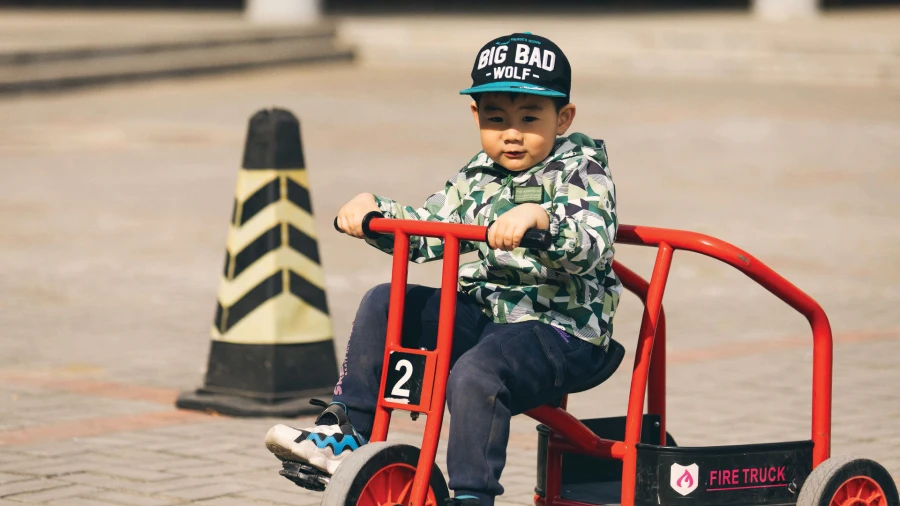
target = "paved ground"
x: 113, y: 212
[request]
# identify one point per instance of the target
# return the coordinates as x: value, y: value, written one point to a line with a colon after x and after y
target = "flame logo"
x: 685, y: 477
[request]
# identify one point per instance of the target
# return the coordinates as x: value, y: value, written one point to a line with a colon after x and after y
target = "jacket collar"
x: 561, y: 147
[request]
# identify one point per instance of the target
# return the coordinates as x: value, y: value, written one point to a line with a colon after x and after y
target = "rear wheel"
x: 848, y: 481
x: 381, y: 474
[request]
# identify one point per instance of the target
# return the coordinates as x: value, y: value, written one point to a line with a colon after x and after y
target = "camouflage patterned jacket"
x: 571, y: 286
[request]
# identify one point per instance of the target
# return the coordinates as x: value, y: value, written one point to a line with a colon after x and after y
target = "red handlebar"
x: 375, y: 223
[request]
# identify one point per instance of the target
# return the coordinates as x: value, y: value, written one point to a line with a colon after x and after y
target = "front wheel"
x: 381, y: 474
x: 848, y: 481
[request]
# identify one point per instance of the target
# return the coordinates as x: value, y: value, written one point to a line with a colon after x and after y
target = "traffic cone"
x: 272, y: 346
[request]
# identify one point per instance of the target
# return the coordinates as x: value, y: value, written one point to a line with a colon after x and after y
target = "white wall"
x: 778, y: 10
x: 283, y: 11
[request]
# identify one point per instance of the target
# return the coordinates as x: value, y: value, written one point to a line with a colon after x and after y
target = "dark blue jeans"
x: 497, y: 371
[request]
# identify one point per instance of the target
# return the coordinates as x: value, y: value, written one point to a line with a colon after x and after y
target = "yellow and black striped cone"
x: 272, y: 346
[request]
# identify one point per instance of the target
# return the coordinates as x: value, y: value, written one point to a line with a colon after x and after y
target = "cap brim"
x: 512, y: 87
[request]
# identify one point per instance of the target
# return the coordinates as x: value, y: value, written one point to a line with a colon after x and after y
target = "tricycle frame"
x: 649, y: 372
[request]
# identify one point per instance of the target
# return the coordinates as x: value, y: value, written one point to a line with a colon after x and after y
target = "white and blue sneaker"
x: 324, y: 446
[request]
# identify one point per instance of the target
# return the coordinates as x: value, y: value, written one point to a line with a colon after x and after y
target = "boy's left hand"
x: 507, y: 231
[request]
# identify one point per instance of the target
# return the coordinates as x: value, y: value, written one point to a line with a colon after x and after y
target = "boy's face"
x: 518, y: 134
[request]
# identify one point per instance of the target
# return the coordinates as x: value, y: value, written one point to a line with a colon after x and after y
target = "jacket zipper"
x: 493, y: 213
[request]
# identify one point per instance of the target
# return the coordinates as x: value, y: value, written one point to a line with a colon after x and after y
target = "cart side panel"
x: 741, y: 475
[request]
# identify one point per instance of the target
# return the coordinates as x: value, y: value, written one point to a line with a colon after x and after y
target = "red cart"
x: 627, y: 460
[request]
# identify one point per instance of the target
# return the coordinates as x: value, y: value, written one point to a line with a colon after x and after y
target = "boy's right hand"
x: 350, y: 216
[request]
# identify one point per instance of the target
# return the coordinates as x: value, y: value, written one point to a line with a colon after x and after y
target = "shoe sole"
x: 283, y: 453
x: 280, y: 444
x: 316, y: 457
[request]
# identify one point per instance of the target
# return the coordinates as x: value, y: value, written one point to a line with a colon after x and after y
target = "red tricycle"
x: 628, y: 460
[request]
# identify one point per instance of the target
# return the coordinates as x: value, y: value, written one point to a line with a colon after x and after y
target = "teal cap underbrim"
x: 512, y: 87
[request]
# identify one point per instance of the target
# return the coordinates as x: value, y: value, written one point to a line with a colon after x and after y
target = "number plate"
x: 405, y: 377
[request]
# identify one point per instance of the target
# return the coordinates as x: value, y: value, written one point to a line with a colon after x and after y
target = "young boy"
x: 530, y: 325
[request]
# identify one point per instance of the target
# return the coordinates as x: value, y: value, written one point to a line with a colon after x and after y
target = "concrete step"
x: 862, y: 70
x: 117, y: 47
x: 58, y: 74
x: 83, y: 49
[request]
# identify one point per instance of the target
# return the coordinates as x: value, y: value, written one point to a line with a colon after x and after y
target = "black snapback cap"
x: 521, y: 63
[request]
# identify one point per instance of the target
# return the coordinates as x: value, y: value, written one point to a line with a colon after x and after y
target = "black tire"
x: 351, y: 477
x: 822, y: 484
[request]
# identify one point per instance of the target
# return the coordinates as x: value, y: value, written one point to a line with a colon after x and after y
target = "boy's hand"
x: 507, y: 231
x: 350, y: 216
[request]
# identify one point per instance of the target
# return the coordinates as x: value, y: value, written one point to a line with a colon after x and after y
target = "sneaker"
x: 465, y: 500
x: 324, y: 446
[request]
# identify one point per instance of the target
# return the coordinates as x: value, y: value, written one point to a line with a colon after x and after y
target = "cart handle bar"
x: 778, y: 286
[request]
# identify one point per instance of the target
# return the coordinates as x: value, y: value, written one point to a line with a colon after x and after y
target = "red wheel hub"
x: 859, y: 491
x: 392, y: 486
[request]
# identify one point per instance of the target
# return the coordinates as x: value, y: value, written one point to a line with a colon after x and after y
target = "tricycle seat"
x: 614, y: 356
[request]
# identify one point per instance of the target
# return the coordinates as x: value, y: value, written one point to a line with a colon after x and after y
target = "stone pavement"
x: 113, y: 212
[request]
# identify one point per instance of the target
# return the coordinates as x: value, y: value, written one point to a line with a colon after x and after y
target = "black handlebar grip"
x: 535, y: 238
x: 365, y: 224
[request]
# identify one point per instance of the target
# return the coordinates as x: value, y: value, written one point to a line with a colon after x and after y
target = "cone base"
x: 271, y: 373
x: 236, y: 405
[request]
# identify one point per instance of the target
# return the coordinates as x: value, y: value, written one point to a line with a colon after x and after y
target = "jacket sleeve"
x: 583, y: 219
x: 443, y: 206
